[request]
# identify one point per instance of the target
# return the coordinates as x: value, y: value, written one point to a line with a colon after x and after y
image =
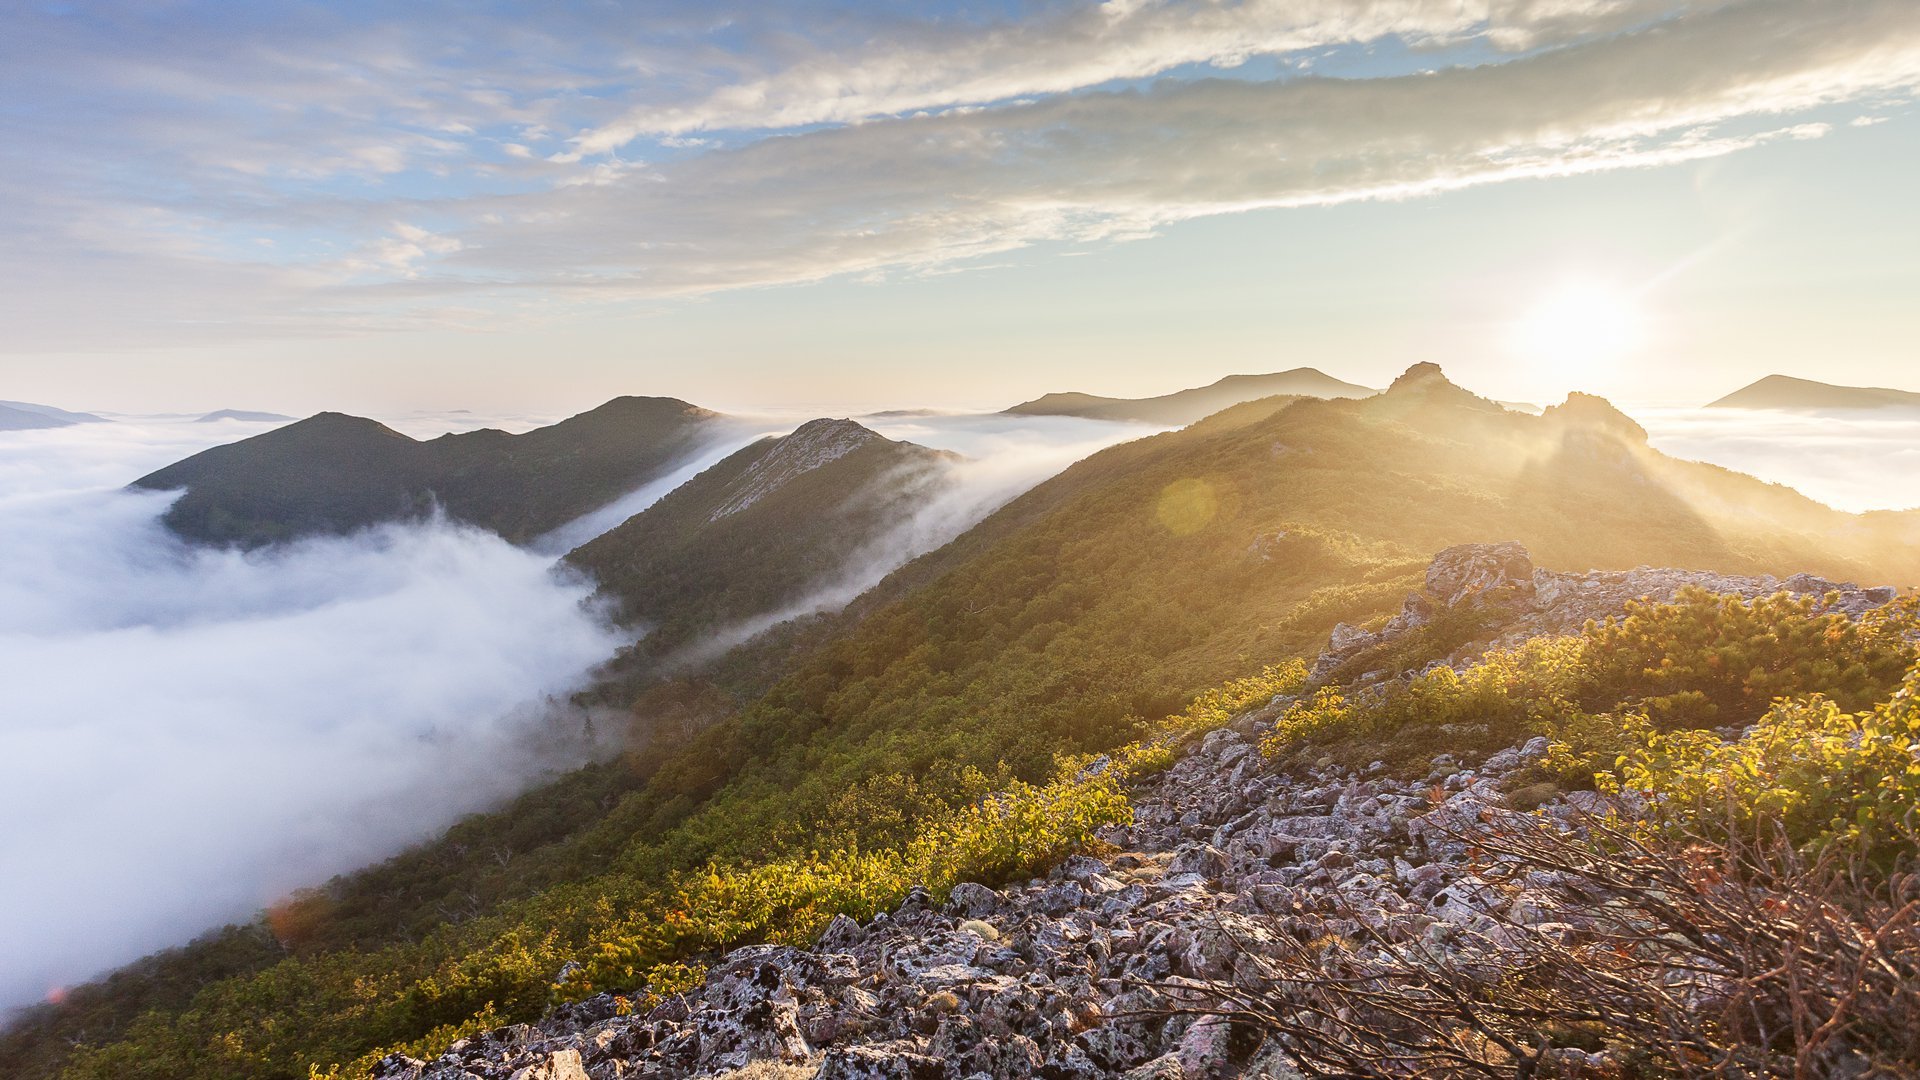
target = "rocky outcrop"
x: 1531, y: 601
x: 1081, y: 973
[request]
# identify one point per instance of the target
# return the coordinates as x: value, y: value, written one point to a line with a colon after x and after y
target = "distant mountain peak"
x: 333, y: 473
x: 26, y: 415
x: 1594, y: 412
x: 1423, y: 374
x: 1788, y: 392
x: 242, y: 414
x: 810, y: 446
x: 1186, y: 406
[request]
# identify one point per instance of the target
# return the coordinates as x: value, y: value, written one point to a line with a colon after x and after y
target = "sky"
x: 382, y: 208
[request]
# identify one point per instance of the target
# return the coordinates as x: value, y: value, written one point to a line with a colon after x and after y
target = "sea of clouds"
x: 1854, y: 460
x: 186, y: 735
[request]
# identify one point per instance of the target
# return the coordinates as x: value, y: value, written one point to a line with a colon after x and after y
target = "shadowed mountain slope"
x: 1786, y: 392
x: 1186, y: 406
x: 761, y: 531
x: 60, y: 417
x: 12, y: 419
x: 333, y: 473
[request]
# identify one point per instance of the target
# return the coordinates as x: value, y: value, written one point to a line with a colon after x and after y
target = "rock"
x: 1480, y: 572
x: 1206, y: 1050
x: 1348, y: 638
x: 1203, y: 859
x: 841, y: 933
x: 875, y: 1063
x: 560, y: 1065
x: 397, y: 1067
x: 972, y: 900
x: 1067, y: 976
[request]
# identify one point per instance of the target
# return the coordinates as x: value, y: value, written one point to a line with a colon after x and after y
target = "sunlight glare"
x: 1579, y: 327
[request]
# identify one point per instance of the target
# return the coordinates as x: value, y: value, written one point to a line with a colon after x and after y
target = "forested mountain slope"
x: 333, y: 473
x: 1099, y: 601
x: 761, y: 531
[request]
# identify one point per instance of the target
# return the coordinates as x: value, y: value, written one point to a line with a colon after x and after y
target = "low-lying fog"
x: 186, y: 735
x: 1854, y: 460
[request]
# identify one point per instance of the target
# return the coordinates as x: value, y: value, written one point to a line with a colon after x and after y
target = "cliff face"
x: 1110, y: 965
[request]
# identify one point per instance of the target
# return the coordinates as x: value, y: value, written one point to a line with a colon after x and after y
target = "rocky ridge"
x: 811, y: 445
x: 1079, y: 974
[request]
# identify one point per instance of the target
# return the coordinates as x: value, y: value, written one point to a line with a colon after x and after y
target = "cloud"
x: 951, y: 138
x: 1071, y: 47
x: 927, y: 191
x: 188, y: 734
x: 1854, y: 461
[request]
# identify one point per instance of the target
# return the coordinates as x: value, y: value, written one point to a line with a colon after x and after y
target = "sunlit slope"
x: 760, y: 531
x: 1104, y: 596
x: 334, y: 473
x: 1186, y: 406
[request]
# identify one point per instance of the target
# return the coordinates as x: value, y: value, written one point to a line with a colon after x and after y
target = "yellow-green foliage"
x: 1700, y: 661
x: 1006, y: 833
x: 1703, y: 660
x: 789, y: 901
x: 1828, y: 776
x: 1212, y: 709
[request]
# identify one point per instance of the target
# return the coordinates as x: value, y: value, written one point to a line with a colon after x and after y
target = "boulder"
x: 1476, y: 573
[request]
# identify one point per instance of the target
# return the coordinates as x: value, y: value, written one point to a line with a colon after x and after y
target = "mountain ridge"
x: 1789, y: 392
x: 759, y: 531
x: 333, y: 473
x: 1186, y: 406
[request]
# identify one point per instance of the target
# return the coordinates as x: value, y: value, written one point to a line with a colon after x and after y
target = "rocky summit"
x: 1107, y: 965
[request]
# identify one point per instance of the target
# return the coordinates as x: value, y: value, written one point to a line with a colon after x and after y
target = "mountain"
x: 762, y: 530
x: 332, y: 473
x: 12, y: 419
x: 1186, y: 406
x: 241, y: 414
x: 1064, y: 624
x: 26, y: 416
x: 1786, y: 392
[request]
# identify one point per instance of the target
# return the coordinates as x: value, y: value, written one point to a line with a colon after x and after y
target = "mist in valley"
x: 191, y: 734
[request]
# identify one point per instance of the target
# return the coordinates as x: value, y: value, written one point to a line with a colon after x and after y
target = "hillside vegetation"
x: 760, y: 531
x: 333, y: 473
x: 1063, y: 625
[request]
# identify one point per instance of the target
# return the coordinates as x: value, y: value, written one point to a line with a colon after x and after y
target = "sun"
x: 1579, y: 327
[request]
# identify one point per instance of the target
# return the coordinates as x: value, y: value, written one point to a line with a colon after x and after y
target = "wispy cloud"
x: 1071, y: 47
x: 255, y: 190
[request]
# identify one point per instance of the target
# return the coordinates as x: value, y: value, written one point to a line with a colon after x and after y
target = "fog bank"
x: 1855, y: 460
x: 186, y: 735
